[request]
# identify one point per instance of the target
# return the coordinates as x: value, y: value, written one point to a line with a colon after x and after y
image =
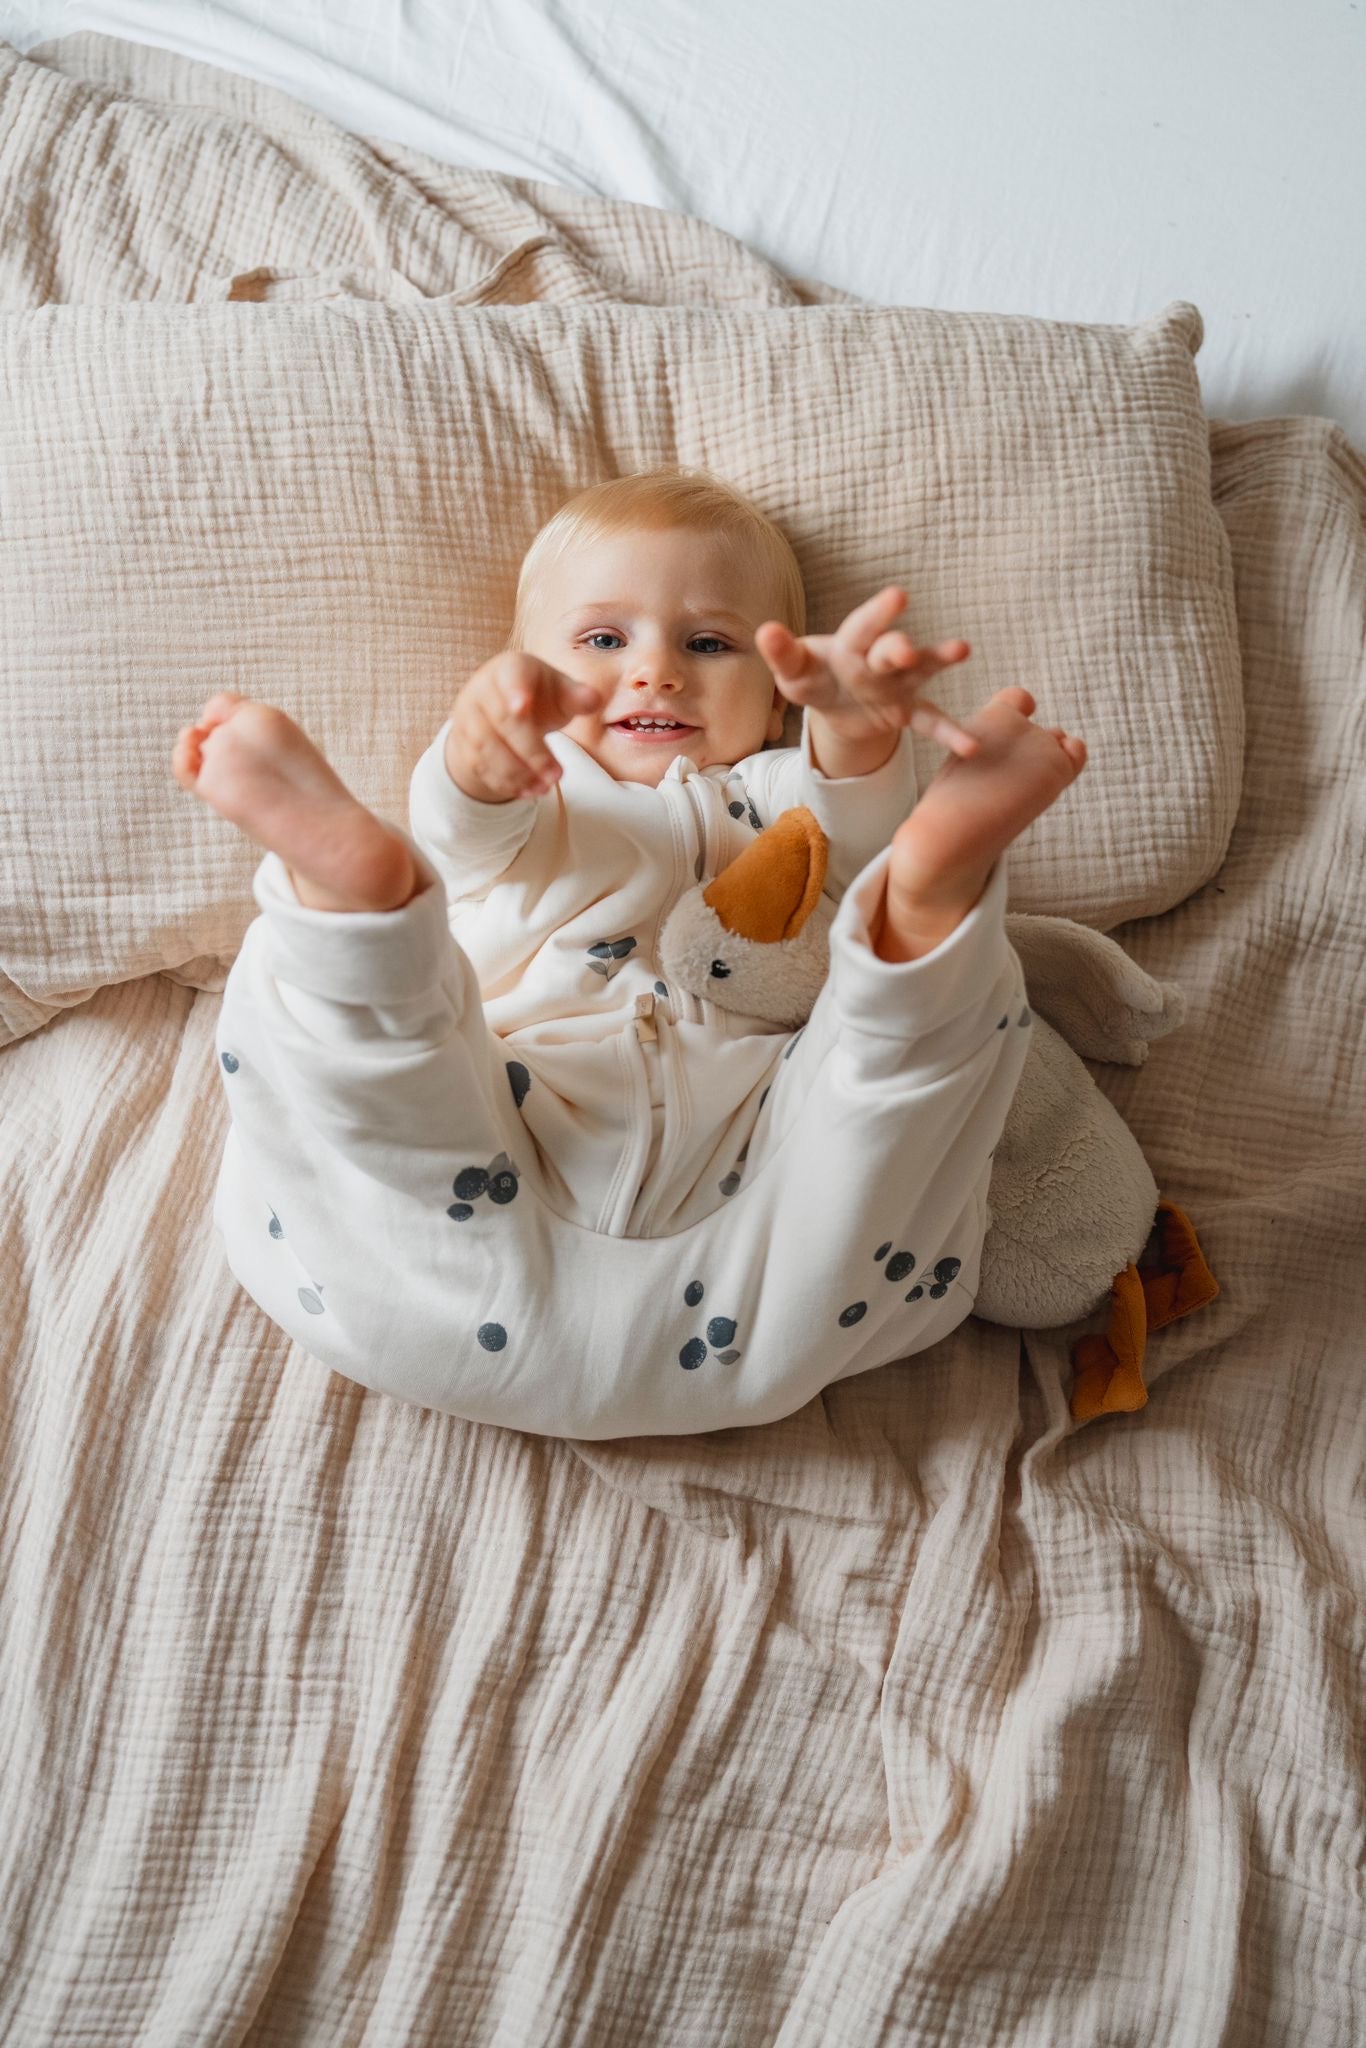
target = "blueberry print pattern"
x: 898, y: 1267
x: 604, y: 956
x: 737, y: 807
x: 692, y: 1334
x: 720, y: 1335
x: 497, y: 1180
x: 731, y: 1182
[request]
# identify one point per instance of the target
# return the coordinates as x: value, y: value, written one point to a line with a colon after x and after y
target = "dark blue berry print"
x: 693, y: 1293
x: 883, y: 1250
x: 607, y: 951
x: 230, y: 1061
x: 519, y: 1080
x: 692, y: 1354
x: 944, y: 1272
x: 661, y: 989
x: 492, y: 1336
x: 899, y: 1265
x: 855, y: 1313
x: 721, y: 1331
x: 729, y: 1185
x: 497, y: 1180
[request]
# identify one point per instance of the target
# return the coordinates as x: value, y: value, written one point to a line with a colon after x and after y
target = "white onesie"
x: 484, y: 1157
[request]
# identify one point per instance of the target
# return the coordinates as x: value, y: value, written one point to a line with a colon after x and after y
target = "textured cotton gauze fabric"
x: 601, y: 1206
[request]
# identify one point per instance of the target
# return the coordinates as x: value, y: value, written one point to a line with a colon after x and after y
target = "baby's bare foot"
x: 943, y: 854
x: 256, y: 767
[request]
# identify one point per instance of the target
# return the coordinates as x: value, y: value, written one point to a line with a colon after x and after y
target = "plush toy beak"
x: 769, y: 891
x: 756, y: 938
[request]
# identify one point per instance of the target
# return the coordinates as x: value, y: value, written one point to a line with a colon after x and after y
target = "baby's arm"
x: 473, y: 795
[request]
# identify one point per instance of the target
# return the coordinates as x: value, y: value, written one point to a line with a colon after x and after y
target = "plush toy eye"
x: 720, y: 969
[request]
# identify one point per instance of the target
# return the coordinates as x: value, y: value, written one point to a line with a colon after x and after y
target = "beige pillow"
x: 324, y: 505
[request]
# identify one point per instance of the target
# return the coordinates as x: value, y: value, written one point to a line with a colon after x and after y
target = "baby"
x: 481, y: 1155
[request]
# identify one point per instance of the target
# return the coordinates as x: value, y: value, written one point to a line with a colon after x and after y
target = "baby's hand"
x: 864, y: 679
x: 494, y: 749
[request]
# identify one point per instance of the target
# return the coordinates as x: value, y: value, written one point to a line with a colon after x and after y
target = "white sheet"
x: 1061, y: 160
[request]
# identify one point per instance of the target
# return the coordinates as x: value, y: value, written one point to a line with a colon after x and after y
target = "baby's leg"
x: 867, y: 1174
x: 261, y: 771
x: 370, y: 1197
x: 868, y: 1169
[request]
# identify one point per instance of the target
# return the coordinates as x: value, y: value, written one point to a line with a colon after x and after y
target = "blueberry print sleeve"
x: 857, y: 813
x: 470, y: 844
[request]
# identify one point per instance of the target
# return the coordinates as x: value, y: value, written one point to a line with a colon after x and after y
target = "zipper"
x: 646, y: 1019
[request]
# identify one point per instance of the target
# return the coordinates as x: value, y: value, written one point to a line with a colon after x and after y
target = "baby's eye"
x: 717, y: 645
x: 593, y: 638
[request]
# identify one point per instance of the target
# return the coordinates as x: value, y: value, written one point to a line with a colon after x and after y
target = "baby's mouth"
x: 648, y: 731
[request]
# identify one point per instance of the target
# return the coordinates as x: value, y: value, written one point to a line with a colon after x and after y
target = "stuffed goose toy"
x: 1074, y: 1217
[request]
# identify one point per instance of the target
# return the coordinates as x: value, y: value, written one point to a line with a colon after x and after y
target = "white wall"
x: 1075, y: 159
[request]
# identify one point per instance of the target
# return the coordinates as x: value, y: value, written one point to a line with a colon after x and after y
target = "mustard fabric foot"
x: 1109, y: 1368
x: 1172, y: 1267
x: 1170, y: 1280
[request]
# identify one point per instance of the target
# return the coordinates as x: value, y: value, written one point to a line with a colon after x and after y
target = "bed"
x: 924, y: 1714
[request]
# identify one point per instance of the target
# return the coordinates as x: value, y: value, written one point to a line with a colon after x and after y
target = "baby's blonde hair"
x: 657, y: 499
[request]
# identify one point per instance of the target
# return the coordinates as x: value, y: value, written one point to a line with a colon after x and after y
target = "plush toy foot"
x: 1170, y: 1280
x: 1173, y: 1270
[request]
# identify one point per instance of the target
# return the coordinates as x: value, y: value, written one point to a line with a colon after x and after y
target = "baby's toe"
x: 185, y: 757
x: 219, y: 708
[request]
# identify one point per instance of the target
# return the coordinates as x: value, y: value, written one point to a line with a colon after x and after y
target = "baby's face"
x: 663, y: 624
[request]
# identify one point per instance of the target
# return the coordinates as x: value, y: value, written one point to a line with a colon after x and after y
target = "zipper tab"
x: 644, y: 1014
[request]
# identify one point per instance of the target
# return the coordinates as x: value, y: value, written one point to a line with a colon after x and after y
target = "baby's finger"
x: 790, y: 659
x: 572, y: 699
x: 533, y: 699
x: 897, y: 652
x: 498, y: 747
x: 937, y: 725
x: 517, y: 716
x: 867, y: 621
